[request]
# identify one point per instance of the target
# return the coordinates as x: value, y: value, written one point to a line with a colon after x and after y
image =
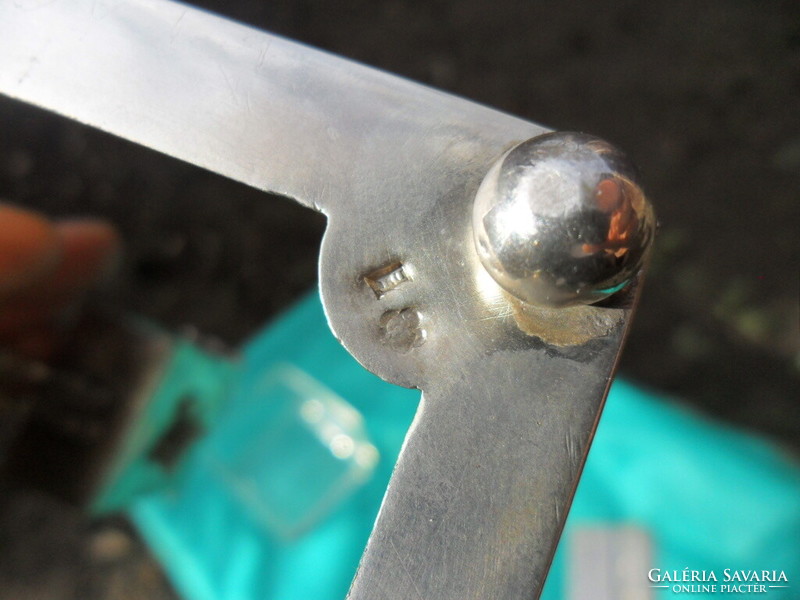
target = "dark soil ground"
x: 703, y: 95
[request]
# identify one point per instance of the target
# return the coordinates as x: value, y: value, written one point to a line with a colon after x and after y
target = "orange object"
x: 46, y: 268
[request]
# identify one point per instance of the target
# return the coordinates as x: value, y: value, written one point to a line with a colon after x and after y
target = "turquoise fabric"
x: 709, y: 496
x: 214, y: 550
x: 190, y: 373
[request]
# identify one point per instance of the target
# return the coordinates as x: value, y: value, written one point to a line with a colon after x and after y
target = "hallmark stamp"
x: 387, y: 278
x: 402, y: 329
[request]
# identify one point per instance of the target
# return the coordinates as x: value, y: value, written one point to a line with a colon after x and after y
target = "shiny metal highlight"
x: 561, y: 220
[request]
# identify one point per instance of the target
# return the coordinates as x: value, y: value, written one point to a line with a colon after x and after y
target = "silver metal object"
x: 561, y: 220
x: 511, y: 393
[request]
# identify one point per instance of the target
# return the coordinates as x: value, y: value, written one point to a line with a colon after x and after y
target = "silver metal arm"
x: 243, y: 103
x: 511, y: 391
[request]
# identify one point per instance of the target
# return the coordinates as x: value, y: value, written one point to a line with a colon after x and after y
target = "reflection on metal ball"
x: 561, y: 220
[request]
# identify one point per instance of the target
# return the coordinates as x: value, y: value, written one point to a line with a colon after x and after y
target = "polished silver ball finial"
x: 560, y: 220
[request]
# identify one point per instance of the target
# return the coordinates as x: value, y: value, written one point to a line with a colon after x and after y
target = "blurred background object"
x: 702, y: 96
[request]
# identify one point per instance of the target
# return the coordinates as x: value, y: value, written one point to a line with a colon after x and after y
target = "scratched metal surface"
x: 487, y: 473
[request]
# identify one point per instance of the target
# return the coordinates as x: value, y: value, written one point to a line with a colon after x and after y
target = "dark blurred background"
x: 703, y: 95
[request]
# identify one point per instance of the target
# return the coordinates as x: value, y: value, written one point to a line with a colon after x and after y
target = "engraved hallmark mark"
x: 402, y: 329
x: 387, y: 278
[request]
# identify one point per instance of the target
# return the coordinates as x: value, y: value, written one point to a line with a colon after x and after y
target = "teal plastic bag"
x: 709, y: 498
